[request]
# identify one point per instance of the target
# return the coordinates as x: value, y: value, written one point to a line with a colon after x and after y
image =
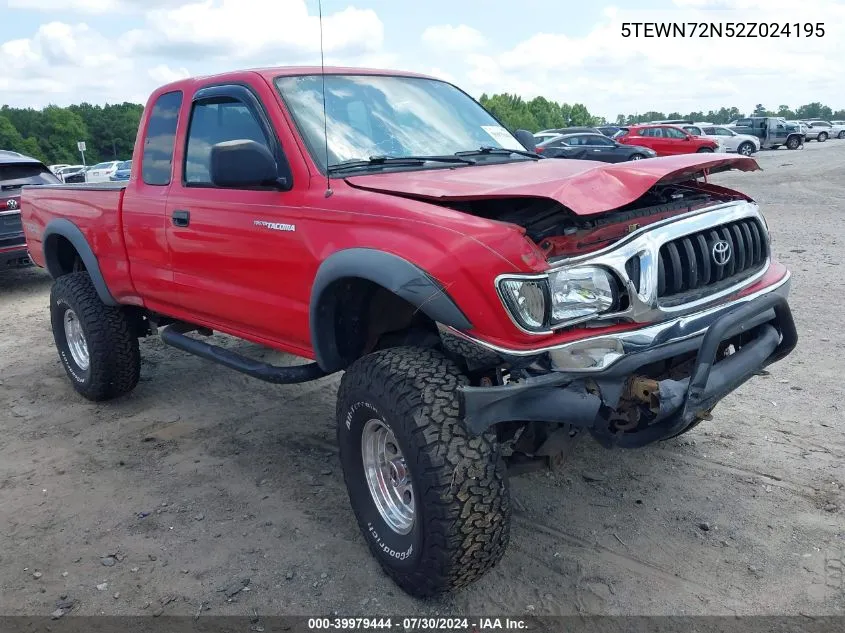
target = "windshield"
x: 14, y: 175
x: 393, y: 116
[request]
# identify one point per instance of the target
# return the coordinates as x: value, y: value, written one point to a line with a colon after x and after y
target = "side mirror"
x: 244, y: 163
x: 527, y: 140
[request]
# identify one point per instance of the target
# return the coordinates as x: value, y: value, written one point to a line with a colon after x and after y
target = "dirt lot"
x: 202, y: 477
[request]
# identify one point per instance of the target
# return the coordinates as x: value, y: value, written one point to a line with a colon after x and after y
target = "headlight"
x: 580, y: 292
x: 562, y: 297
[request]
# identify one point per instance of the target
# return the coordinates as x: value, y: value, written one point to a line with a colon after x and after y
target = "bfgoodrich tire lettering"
x: 114, y: 360
x: 462, y: 505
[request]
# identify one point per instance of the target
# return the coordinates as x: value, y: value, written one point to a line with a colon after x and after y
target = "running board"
x: 174, y: 335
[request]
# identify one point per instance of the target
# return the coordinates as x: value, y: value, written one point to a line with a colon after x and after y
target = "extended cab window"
x: 215, y: 121
x: 161, y: 138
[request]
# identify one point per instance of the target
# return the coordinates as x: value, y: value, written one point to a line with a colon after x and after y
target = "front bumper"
x: 589, y: 398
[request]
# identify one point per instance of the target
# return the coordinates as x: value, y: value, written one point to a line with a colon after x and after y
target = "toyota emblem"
x: 721, y: 252
x: 11, y: 204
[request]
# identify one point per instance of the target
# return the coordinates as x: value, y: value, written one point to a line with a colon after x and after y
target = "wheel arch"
x: 59, y: 236
x: 345, y: 288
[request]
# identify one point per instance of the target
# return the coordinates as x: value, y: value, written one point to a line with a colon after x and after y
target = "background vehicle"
x: 744, y: 144
x: 540, y: 137
x: 609, y: 130
x: 772, y: 131
x: 696, y: 129
x: 55, y: 168
x: 592, y: 147
x: 8, y: 152
x: 65, y: 174
x: 73, y: 174
x: 827, y: 128
x: 16, y: 171
x: 666, y: 140
x: 429, y: 259
x: 123, y: 171
x: 101, y: 172
x: 571, y: 130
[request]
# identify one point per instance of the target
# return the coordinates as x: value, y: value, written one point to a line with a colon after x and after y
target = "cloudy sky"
x: 67, y: 51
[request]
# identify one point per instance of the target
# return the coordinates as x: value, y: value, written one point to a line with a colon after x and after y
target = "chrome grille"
x: 712, y: 258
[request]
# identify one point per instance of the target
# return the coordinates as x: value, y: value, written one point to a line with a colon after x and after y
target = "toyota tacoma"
x: 485, y: 305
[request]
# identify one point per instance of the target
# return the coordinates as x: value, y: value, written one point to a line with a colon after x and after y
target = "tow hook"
x: 645, y: 390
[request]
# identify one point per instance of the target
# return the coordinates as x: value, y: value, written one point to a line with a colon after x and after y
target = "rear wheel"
x: 96, y: 343
x: 746, y: 149
x: 705, y: 150
x: 431, y: 501
x: 822, y: 137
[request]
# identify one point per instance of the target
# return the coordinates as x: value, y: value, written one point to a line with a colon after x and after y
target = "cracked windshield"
x: 371, y: 116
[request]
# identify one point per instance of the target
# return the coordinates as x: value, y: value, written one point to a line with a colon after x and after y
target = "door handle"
x: 180, y: 217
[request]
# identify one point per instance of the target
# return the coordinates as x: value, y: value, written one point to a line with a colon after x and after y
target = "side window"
x: 744, y: 122
x: 647, y: 132
x: 215, y: 121
x: 602, y: 141
x: 670, y: 132
x: 160, y: 139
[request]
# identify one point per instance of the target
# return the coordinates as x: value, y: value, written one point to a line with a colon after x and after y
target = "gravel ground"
x: 203, y: 479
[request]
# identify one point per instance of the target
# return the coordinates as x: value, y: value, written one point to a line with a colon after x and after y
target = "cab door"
x: 236, y: 251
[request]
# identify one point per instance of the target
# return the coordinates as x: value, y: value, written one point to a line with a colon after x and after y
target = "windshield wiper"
x: 486, y: 149
x: 377, y: 161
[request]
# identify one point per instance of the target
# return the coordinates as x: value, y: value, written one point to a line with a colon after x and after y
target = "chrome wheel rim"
x: 388, y: 477
x: 746, y: 151
x: 76, y: 340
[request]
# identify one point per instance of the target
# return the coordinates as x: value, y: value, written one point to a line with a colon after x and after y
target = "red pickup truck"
x: 487, y: 305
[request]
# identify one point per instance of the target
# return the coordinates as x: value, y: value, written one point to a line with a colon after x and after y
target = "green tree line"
x: 542, y: 114
x: 51, y: 134
x: 109, y: 131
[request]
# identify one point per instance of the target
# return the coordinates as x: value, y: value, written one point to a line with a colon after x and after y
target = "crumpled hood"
x: 585, y: 187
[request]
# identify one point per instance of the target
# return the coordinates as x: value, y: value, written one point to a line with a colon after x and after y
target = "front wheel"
x: 636, y: 157
x: 704, y: 150
x: 96, y: 343
x: 793, y: 142
x: 841, y: 135
x: 431, y: 500
x: 746, y: 149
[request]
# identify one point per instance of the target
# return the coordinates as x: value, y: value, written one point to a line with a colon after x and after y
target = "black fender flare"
x: 62, y: 227
x: 389, y: 271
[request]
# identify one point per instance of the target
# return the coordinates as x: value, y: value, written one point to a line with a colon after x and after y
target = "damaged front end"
x: 654, y: 390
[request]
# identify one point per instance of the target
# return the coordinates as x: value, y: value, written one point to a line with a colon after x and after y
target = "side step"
x: 174, y: 335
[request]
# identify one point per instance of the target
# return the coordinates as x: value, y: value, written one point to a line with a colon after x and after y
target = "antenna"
x: 325, y: 115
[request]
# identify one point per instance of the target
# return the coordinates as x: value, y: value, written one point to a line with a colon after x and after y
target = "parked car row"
x: 747, y: 136
x: 110, y: 170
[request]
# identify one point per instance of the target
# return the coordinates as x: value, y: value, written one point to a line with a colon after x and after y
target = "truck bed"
x: 94, y: 208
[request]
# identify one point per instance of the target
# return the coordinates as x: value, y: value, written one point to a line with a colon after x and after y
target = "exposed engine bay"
x: 558, y: 231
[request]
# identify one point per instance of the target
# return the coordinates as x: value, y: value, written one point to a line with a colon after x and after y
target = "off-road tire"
x: 748, y: 146
x: 114, y: 358
x: 461, y: 523
x: 822, y: 137
x: 704, y: 150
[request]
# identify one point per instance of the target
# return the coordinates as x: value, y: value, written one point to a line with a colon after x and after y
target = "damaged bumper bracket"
x: 566, y: 398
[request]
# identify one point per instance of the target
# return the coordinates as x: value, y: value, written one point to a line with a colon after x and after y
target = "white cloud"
x: 86, y: 6
x: 68, y: 63
x: 612, y: 74
x: 228, y: 29
x: 448, y: 38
